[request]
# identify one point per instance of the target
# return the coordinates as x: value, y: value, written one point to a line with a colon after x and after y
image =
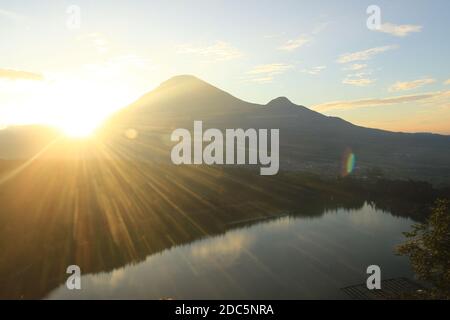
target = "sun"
x: 79, y: 125
x: 77, y: 130
x: 76, y: 107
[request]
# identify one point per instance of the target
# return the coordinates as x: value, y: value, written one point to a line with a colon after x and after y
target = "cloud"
x: 409, y: 85
x: 314, y: 70
x: 226, y: 249
x: 96, y: 40
x: 399, y: 30
x: 447, y: 82
x: 10, y: 15
x: 356, y: 67
x: 359, y: 79
x: 431, y: 97
x: 118, y: 66
x: 266, y: 72
x: 320, y: 27
x: 267, y: 79
x: 274, y: 68
x: 361, y: 82
x: 219, y: 51
x: 364, y: 55
x: 19, y: 75
x: 274, y: 35
x: 291, y: 45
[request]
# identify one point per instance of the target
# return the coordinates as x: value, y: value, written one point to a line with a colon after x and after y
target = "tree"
x: 428, y: 248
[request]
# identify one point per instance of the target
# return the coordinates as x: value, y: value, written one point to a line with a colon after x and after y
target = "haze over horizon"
x: 320, y: 56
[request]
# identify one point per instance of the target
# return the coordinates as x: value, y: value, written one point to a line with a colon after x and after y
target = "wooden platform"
x: 390, y: 289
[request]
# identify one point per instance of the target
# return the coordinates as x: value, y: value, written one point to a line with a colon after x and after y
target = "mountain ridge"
x: 309, y: 140
x: 280, y: 101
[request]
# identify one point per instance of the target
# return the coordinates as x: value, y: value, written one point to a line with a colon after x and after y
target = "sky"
x: 69, y: 62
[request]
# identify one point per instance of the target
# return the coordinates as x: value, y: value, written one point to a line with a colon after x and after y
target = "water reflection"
x: 103, y: 215
x: 286, y: 258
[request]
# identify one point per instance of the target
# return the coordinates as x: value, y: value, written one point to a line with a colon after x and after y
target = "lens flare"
x: 348, y: 162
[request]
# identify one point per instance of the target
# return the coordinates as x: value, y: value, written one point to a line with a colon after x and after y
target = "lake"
x: 289, y: 257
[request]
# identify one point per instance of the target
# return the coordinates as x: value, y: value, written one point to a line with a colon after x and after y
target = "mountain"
x: 21, y: 142
x: 308, y: 140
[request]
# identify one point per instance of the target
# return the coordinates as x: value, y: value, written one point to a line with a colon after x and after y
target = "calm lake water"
x: 285, y: 258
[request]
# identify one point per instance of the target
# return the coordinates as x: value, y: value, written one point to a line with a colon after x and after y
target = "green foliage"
x: 428, y: 248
